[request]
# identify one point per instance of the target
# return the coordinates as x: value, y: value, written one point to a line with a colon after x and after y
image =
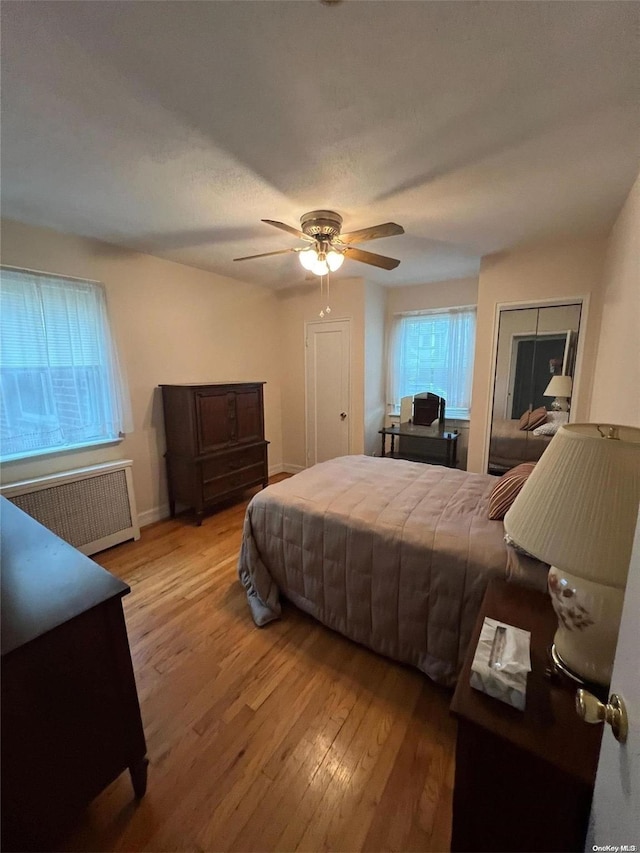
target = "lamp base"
x: 560, y: 404
x: 565, y: 675
x: 588, y: 623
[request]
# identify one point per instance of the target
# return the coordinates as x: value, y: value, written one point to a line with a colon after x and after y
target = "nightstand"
x: 524, y: 780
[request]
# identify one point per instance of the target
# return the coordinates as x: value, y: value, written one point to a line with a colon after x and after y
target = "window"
x: 59, y: 384
x: 433, y: 352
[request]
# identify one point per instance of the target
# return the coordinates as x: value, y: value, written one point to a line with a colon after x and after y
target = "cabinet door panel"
x: 215, y: 417
x: 249, y: 414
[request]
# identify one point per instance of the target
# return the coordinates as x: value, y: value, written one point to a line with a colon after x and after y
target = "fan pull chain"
x: 327, y: 310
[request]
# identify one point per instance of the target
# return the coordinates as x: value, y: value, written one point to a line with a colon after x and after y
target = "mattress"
x: 395, y: 555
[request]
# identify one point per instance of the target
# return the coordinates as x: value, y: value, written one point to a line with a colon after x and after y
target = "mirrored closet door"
x: 535, y: 346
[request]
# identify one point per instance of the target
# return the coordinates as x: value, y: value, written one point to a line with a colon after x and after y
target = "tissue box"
x: 501, y: 662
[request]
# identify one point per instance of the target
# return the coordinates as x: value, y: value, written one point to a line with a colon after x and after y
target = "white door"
x: 327, y: 390
x: 615, y: 813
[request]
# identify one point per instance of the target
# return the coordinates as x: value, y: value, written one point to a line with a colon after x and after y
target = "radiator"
x: 91, y: 508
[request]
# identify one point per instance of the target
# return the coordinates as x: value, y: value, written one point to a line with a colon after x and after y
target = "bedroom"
x: 151, y: 193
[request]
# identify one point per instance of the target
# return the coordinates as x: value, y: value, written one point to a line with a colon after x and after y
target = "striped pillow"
x: 507, y: 488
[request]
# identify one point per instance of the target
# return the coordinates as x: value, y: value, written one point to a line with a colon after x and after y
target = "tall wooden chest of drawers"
x: 215, y: 442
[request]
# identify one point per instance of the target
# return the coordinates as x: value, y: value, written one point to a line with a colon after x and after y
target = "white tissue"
x: 501, y: 662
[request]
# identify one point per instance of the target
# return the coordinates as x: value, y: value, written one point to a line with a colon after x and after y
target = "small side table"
x: 421, y: 444
x: 524, y: 779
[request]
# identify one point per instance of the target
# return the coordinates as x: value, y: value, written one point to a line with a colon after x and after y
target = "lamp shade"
x: 320, y: 266
x: 334, y: 260
x: 308, y: 257
x: 559, y: 386
x: 578, y: 509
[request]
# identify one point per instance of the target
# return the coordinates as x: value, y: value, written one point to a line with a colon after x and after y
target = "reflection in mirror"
x: 534, y: 345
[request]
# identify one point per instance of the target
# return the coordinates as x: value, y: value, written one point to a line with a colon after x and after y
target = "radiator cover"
x: 91, y: 508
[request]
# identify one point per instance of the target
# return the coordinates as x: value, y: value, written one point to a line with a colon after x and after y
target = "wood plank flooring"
x: 287, y: 737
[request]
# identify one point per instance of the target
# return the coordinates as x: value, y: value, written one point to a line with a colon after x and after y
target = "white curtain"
x: 433, y: 352
x: 60, y: 383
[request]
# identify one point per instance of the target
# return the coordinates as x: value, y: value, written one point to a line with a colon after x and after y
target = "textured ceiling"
x: 174, y: 127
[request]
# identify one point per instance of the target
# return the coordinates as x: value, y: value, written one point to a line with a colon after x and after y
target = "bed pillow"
x: 507, y: 489
x: 531, y: 420
x: 553, y: 424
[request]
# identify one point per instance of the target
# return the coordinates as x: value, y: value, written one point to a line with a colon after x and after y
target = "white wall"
x: 438, y: 294
x: 549, y: 270
x: 374, y: 361
x: 616, y: 381
x: 172, y: 324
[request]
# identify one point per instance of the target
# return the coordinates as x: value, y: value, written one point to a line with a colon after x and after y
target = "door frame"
x: 307, y: 325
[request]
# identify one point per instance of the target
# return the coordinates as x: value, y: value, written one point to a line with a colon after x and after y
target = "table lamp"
x: 559, y: 387
x: 578, y: 511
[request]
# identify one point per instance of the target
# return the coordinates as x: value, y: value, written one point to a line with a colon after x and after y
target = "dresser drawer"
x: 217, y: 486
x: 232, y: 461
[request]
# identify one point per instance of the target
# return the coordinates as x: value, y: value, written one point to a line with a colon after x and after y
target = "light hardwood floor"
x: 288, y: 737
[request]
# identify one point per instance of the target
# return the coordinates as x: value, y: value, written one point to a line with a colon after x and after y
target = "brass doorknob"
x: 592, y: 710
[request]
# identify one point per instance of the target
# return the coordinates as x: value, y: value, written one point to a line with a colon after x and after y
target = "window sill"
x: 69, y: 448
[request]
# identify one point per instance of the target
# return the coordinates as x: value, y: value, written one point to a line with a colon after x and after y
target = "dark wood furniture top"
x: 524, y: 779
x: 425, y: 444
x: 215, y: 442
x: 44, y: 581
x: 70, y: 714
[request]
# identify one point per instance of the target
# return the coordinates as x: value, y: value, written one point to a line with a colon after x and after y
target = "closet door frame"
x: 578, y: 385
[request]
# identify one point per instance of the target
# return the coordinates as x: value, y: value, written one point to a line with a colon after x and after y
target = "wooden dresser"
x: 215, y: 442
x: 70, y: 715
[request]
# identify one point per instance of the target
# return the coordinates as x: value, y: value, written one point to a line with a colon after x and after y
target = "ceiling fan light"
x: 320, y: 267
x: 334, y: 260
x: 308, y: 257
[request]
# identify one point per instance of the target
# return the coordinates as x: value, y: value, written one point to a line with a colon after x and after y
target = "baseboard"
x: 292, y: 469
x: 157, y: 513
x: 150, y: 516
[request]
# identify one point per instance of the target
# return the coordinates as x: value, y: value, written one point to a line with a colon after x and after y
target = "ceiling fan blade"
x: 284, y: 227
x: 387, y: 229
x: 266, y: 254
x: 370, y: 258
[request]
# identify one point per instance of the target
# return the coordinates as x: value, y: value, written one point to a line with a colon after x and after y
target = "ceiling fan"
x: 329, y: 247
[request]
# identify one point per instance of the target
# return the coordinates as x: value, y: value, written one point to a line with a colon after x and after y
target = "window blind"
x: 59, y: 377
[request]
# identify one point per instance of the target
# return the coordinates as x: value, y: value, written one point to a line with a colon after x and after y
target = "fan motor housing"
x: 321, y: 224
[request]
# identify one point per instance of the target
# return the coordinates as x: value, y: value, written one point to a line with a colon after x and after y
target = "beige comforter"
x: 511, y: 445
x: 395, y: 555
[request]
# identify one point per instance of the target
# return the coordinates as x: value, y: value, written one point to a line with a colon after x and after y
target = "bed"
x: 510, y: 445
x: 395, y: 555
